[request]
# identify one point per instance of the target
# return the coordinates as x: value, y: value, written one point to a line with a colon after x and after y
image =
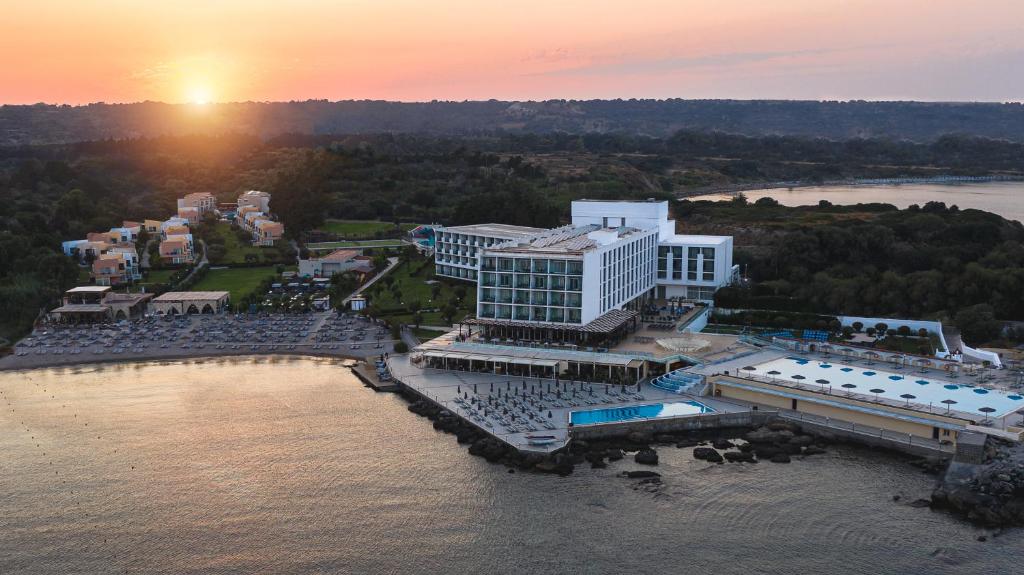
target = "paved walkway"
x: 392, y: 264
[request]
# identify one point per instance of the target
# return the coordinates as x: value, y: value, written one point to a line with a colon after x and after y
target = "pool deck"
x: 443, y: 387
x: 982, y: 379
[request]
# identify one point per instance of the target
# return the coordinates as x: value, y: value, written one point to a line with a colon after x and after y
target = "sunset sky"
x: 80, y: 51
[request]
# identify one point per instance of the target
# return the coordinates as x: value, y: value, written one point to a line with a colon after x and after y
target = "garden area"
x: 240, y: 282
x: 358, y: 229
x: 228, y: 245
x: 411, y: 292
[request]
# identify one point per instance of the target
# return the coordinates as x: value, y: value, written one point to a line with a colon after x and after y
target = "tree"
x: 415, y: 306
x: 448, y: 312
x: 401, y: 347
x: 460, y: 292
x: 299, y: 194
x: 417, y: 320
x: 435, y: 290
x: 977, y: 324
x: 857, y: 326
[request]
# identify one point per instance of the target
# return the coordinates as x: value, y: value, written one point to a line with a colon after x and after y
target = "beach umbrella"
x: 876, y: 391
x: 822, y: 381
x: 773, y: 373
x: 849, y: 386
x: 986, y: 410
x: 908, y: 397
x: 799, y: 377
x: 749, y: 368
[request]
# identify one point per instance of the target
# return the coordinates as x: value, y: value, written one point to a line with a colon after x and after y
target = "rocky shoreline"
x: 990, y: 494
x: 987, y: 495
x: 778, y: 441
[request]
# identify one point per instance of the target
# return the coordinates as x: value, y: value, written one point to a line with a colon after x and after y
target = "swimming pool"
x: 635, y: 412
x: 906, y: 385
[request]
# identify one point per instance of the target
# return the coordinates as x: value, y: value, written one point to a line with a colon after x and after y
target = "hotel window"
x: 677, y: 262
x: 539, y: 298
x: 522, y: 312
x: 540, y: 314
x: 574, y: 268
x: 574, y: 284
x: 709, y: 264
x: 540, y: 266
x: 573, y: 316
x: 557, y: 267
x: 523, y: 265
x: 540, y: 282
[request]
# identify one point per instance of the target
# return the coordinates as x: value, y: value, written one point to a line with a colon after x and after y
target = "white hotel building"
x: 591, y: 274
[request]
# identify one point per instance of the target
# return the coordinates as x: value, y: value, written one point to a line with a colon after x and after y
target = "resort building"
x: 190, y: 302
x: 177, y: 249
x: 456, y: 249
x: 118, y: 265
x: 689, y: 267
x: 336, y: 262
x: 198, y: 203
x: 266, y: 232
x: 97, y: 304
x: 578, y: 277
x: 255, y: 199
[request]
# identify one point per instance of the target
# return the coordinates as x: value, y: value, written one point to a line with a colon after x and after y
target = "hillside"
x: 919, y: 121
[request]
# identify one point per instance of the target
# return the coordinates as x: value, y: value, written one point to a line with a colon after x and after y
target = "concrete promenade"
x: 454, y: 390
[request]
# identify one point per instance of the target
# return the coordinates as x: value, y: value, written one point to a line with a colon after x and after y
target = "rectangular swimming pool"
x: 637, y: 412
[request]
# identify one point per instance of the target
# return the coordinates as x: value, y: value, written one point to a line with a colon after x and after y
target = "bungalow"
x: 189, y: 214
x: 152, y: 226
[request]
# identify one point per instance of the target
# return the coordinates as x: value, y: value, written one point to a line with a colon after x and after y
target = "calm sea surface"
x: 291, y: 466
x: 1003, y: 198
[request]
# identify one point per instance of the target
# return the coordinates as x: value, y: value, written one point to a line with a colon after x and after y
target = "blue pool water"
x: 633, y: 412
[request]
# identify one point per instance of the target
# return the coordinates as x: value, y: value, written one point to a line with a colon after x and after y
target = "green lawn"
x: 237, y: 250
x: 156, y: 277
x: 415, y: 287
x: 239, y: 281
x: 361, y: 228
x: 354, y: 244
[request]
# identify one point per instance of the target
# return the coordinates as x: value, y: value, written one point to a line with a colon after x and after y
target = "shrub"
x: 401, y: 347
x: 903, y: 330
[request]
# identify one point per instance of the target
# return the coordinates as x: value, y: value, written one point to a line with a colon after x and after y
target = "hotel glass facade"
x: 524, y: 288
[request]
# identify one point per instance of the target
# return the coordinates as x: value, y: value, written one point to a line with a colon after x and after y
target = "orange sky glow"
x: 78, y: 52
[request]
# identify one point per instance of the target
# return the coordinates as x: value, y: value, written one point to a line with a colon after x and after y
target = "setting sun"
x: 199, y: 95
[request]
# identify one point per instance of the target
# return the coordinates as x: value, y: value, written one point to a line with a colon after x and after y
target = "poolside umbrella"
x: 822, y: 381
x: 848, y: 387
x: 908, y: 397
x: 986, y: 410
x: 773, y: 373
x: 749, y: 368
x: 876, y: 391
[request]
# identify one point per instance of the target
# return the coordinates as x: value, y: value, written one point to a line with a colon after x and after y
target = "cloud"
x: 640, y: 65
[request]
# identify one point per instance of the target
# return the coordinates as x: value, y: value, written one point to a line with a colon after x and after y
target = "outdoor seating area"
x: 353, y: 330
x: 238, y: 333
x: 527, y: 405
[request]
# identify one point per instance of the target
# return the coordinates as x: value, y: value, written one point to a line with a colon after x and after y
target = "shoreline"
x: 865, y: 182
x: 13, y: 363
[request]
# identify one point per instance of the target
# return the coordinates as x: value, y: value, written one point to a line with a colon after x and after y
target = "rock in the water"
x: 708, y: 454
x: 614, y: 454
x: 813, y: 450
x: 780, y: 458
x: 722, y: 444
x: 739, y: 456
x: 641, y: 474
x: 646, y: 457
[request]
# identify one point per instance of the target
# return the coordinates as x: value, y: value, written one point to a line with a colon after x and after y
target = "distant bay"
x: 1003, y: 198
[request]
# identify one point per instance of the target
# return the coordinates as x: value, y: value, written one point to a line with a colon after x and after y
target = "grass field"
x: 239, y: 281
x: 361, y: 228
x: 156, y: 277
x: 354, y: 244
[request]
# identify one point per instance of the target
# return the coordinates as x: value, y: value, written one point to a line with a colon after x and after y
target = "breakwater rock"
x: 989, y: 494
